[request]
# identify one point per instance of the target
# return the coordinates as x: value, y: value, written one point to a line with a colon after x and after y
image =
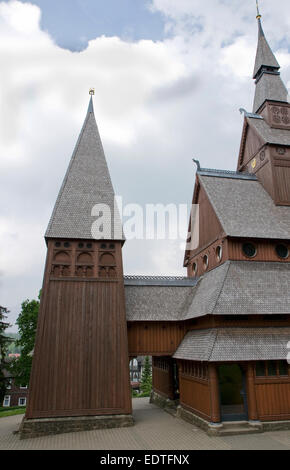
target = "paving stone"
x: 154, y: 429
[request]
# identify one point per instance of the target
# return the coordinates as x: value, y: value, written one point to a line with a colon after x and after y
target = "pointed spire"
x: 87, y: 183
x: 264, y: 57
x: 269, y: 85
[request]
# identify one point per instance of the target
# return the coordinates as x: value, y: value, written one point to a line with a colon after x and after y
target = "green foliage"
x: 27, y: 322
x: 146, y: 379
x: 4, y: 341
x: 12, y: 347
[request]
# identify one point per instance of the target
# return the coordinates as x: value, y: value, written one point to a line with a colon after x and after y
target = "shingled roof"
x: 158, y: 299
x: 264, y: 55
x: 243, y: 288
x: 269, y: 85
x: 87, y: 182
x: 245, y: 209
x: 234, y: 344
x: 234, y: 288
x: 269, y: 134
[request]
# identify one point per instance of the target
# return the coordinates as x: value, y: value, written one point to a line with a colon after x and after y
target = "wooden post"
x: 214, y: 394
x: 251, y: 396
x: 170, y: 379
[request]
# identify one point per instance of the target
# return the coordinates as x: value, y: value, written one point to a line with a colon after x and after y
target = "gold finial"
x: 92, y: 91
x: 258, y: 12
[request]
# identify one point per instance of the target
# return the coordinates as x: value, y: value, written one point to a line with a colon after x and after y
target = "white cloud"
x: 158, y: 105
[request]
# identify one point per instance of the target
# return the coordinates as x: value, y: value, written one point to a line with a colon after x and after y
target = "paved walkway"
x: 154, y: 430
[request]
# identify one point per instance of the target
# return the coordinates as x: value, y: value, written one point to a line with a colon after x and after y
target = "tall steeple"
x: 269, y: 85
x: 87, y: 182
x: 80, y: 361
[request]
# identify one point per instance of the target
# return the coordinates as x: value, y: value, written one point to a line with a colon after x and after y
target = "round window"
x: 81, y: 245
x: 66, y: 244
x: 219, y: 253
x: 205, y: 262
x: 89, y: 245
x: 282, y: 251
x: 103, y: 246
x: 57, y: 244
x: 249, y: 250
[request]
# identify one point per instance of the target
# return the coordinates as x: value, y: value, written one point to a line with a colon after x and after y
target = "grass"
x: 11, y: 411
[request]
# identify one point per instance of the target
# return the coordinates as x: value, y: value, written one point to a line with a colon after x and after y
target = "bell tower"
x: 80, y: 372
x: 265, y: 145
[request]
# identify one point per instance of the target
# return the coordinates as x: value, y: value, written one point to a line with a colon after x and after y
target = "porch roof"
x: 235, y: 344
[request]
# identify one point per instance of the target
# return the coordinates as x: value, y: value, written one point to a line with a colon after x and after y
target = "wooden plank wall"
x: 265, y: 250
x: 282, y: 178
x: 81, y: 350
x: 162, y: 379
x: 210, y: 228
x: 194, y: 392
x: 273, y: 400
x: 154, y: 338
x: 195, y: 396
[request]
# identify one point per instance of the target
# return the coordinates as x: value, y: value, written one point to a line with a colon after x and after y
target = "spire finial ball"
x: 92, y: 91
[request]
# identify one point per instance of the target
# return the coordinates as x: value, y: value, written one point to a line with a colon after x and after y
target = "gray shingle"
x: 255, y: 288
x: 264, y: 55
x: 234, y: 288
x: 245, y: 209
x: 207, y: 292
x: 243, y: 288
x: 157, y: 302
x: 87, y: 182
x: 268, y: 134
x: 269, y: 87
x: 166, y: 281
x: 235, y: 344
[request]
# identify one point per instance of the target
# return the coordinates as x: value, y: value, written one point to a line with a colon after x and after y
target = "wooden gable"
x: 251, y: 143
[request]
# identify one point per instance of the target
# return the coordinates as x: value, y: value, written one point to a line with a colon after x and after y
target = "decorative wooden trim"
x: 194, y: 379
x: 85, y: 279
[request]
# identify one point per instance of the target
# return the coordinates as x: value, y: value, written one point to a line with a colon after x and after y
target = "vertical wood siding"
x: 162, y: 379
x: 273, y: 400
x: 154, y: 338
x: 80, y: 363
x: 195, y: 395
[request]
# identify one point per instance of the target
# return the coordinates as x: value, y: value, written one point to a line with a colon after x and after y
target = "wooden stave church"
x: 232, y: 311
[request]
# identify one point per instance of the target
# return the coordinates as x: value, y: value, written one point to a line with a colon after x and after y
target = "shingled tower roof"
x: 269, y: 85
x: 87, y: 182
x: 264, y: 55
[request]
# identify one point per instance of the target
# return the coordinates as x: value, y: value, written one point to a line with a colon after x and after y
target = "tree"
x: 27, y: 322
x: 4, y: 341
x: 146, y: 379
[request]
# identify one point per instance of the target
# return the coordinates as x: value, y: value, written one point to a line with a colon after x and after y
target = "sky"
x: 169, y: 80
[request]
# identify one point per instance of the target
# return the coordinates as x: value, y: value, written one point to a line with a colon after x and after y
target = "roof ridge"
x: 145, y: 277
x: 227, y: 263
x: 226, y: 173
x: 215, y: 332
